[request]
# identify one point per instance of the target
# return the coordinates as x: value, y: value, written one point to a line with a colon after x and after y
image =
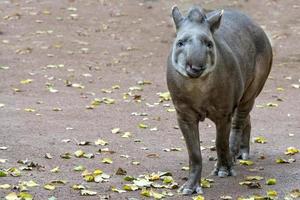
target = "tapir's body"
x: 221, y: 86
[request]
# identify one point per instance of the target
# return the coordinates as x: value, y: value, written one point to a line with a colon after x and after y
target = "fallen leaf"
x: 260, y: 140
x: 26, y: 81
x: 115, y: 130
x: 164, y: 96
x: 199, y: 197
x: 14, y: 172
x: 5, y: 186
x: 142, y: 182
x: 291, y: 151
x: 101, y: 142
x: 121, y: 171
x: 66, y: 156
x: 48, y: 156
x: 79, y: 153
x: 272, y: 193
x: 29, y: 110
x: 126, y: 135
x: 55, y: 170
x: 87, y: 193
x: 25, y: 196
x: 143, y: 126
x: 30, y: 183
x: 49, y: 186
x: 271, y: 181
x: 226, y: 197
x: 206, y: 183
x: 78, y: 187
x: 295, y: 193
x: 167, y: 179
x: 129, y: 178
x: 79, y: 168
x: 12, y: 196
x: 254, y: 178
x: 251, y: 184
x: 130, y: 187
x: 107, y: 161
x: 246, y: 162
x: 114, y: 189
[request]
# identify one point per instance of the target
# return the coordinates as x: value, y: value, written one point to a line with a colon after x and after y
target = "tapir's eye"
x: 209, y: 44
x: 180, y: 43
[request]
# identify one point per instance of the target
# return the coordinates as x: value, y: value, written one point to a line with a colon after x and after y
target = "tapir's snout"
x: 194, y: 71
x: 196, y: 61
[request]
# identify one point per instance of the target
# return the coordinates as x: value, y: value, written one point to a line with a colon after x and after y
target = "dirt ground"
x: 75, y: 51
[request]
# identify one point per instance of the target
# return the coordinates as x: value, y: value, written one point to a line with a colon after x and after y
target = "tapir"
x: 217, y: 66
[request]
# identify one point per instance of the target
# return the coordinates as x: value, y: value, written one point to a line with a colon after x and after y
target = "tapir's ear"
x: 214, y: 20
x: 177, y: 17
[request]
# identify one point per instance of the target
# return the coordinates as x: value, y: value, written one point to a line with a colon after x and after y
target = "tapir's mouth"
x: 193, y: 71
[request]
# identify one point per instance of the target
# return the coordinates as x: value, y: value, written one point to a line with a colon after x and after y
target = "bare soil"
x: 98, y: 44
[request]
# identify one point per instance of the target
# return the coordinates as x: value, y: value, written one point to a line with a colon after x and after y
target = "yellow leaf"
x: 145, y: 192
x: 114, y: 189
x: 5, y: 186
x: 14, y: 172
x: 88, y: 193
x: 260, y: 140
x: 115, y: 130
x: 12, y: 196
x: 108, y: 100
x: 271, y: 181
x: 79, y: 168
x: 246, y: 162
x: 25, y: 196
x: 101, y: 142
x: 29, y: 110
x: 79, y: 153
x: 26, y: 81
x: 49, y: 187
x: 97, y: 172
x: 130, y: 187
x: 30, y: 183
x: 271, y: 193
x: 291, y: 151
x: 254, y: 178
x: 272, y: 104
x: 144, y: 126
x: 126, y: 135
x: 78, y: 187
x: 164, y: 96
x: 168, y: 179
x: 89, y: 178
x: 55, y: 170
x: 107, y: 161
x: 199, y: 197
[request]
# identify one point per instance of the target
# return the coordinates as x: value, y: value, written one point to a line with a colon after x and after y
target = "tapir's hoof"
x: 244, y: 155
x: 187, y: 189
x: 222, y: 172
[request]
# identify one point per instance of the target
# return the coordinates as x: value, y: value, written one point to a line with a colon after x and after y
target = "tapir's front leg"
x: 189, y: 128
x: 224, y: 163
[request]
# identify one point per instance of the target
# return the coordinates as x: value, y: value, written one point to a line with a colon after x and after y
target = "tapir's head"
x: 194, y: 49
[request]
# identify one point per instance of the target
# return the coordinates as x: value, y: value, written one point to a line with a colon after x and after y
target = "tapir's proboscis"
x: 218, y: 65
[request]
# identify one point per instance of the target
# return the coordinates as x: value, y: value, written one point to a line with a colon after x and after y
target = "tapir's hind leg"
x: 245, y: 140
x: 241, y: 125
x: 240, y: 131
